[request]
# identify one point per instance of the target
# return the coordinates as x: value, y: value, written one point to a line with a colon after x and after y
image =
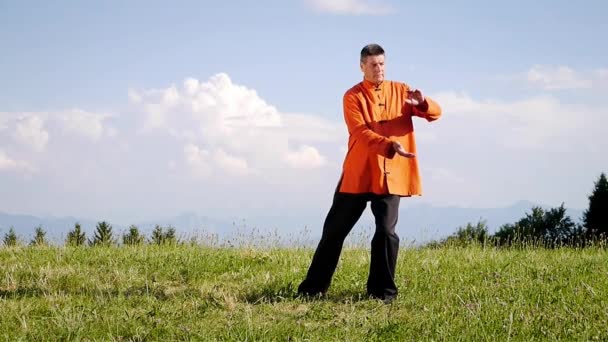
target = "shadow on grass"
x: 30, y: 292
x: 266, y: 294
x: 22, y: 292
x: 276, y: 293
x: 160, y: 293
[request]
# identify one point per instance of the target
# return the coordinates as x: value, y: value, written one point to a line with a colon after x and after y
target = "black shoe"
x: 305, y: 296
x: 383, y: 298
x: 309, y: 290
x: 310, y: 293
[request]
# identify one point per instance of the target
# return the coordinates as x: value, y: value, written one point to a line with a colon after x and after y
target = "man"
x: 380, y: 167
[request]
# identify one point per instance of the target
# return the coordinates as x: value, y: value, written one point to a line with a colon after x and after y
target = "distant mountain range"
x: 417, y: 223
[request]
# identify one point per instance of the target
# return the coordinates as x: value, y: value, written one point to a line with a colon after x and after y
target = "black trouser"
x: 344, y: 213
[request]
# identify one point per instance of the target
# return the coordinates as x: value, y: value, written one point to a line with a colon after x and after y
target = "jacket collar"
x: 372, y: 86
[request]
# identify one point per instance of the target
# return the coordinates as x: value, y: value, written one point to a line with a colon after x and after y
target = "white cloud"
x: 6, y: 163
x: 602, y: 74
x: 191, y: 85
x: 551, y: 78
x: 204, y: 130
x: 532, y: 122
x: 350, y: 7
x: 198, y: 160
x: 157, y: 104
x: 560, y: 77
x: 30, y: 134
x: 111, y: 132
x: 9, y: 164
x: 34, y: 129
x: 229, y: 127
x: 203, y: 164
x: 231, y: 164
x: 134, y: 97
x: 444, y: 175
x: 214, y: 106
x: 308, y: 127
x: 490, y: 151
x: 307, y: 157
x: 85, y: 124
x: 4, y: 119
x: 30, y: 131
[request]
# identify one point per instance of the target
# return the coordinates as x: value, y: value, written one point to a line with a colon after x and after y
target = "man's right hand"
x: 399, y: 149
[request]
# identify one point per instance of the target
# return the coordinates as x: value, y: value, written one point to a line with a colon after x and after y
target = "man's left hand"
x: 401, y: 151
x: 414, y: 97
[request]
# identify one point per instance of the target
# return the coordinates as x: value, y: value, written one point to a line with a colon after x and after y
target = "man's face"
x: 373, y: 68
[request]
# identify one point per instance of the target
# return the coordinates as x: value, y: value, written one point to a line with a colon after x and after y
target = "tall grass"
x: 249, y: 293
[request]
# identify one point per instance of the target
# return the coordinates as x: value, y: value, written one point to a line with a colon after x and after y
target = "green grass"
x: 205, y: 293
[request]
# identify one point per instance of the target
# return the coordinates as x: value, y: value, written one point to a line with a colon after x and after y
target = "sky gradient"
x: 133, y: 110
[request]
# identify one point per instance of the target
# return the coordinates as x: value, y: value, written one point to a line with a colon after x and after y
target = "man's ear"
x: 361, y: 66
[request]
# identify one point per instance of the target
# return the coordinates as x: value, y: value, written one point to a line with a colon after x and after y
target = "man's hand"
x: 399, y: 149
x: 414, y: 97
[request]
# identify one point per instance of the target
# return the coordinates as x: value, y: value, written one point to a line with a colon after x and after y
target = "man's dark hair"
x: 371, y: 50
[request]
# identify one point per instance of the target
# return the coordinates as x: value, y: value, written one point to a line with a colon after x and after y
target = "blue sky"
x: 222, y: 106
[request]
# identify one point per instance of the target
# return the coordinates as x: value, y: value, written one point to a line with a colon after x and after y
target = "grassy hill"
x: 210, y: 293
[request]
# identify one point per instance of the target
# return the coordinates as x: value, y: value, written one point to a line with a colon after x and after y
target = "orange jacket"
x: 375, y: 117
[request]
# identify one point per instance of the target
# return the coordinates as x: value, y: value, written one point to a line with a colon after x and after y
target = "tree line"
x: 102, y: 236
x: 549, y: 228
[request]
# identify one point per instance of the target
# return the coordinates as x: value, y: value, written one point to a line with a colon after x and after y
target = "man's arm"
x: 357, y: 127
x: 422, y: 106
x: 428, y: 109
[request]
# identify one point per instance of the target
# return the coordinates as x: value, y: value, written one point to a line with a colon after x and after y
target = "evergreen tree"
x: 158, y: 235
x: 170, y: 237
x: 595, y: 218
x: 163, y: 236
x: 103, y: 235
x: 133, y: 237
x: 10, y: 238
x: 76, y: 236
x: 39, y: 237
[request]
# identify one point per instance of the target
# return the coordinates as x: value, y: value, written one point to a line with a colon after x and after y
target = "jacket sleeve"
x: 357, y: 128
x: 429, y: 109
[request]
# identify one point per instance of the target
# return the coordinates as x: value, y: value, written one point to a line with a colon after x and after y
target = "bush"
x: 551, y: 228
x: 469, y: 234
